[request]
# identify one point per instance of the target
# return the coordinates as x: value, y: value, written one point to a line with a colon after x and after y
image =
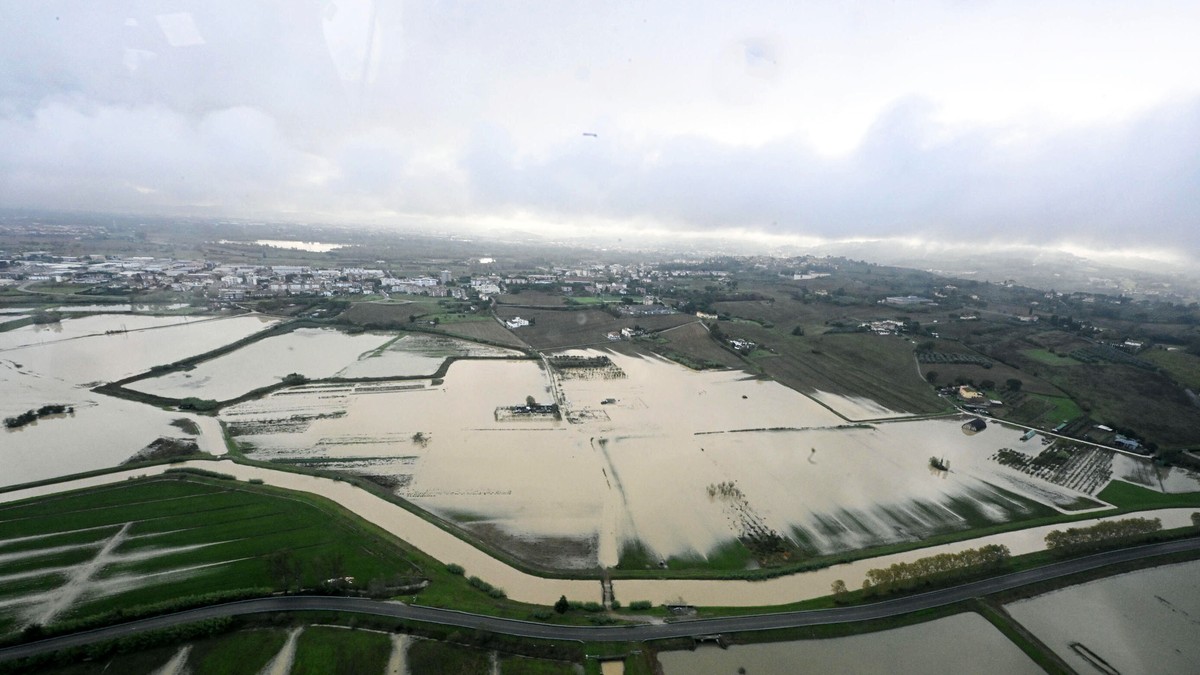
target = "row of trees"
x: 1101, y: 534
x: 900, y: 576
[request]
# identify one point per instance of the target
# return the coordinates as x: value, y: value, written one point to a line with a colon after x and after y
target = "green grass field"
x: 181, y: 538
x: 239, y: 653
x: 881, y: 368
x: 1037, y: 409
x: 1049, y: 358
x: 322, y: 650
x: 1183, y: 367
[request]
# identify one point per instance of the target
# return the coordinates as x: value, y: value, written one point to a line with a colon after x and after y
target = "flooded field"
x: 312, y: 352
x: 1141, y: 622
x: 63, y: 372
x: 85, y: 326
x: 1169, y: 479
x: 417, y: 354
x: 856, y: 407
x: 965, y: 643
x: 747, y: 459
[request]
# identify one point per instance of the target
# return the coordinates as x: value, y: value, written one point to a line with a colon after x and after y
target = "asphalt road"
x: 633, y: 633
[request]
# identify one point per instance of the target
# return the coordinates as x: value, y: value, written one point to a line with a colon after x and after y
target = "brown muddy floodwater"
x: 961, y: 644
x: 1142, y: 622
x: 312, y: 352
x: 103, y: 431
x: 681, y: 461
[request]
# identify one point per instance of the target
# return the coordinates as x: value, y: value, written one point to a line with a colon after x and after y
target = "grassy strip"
x: 1034, y: 648
x: 1129, y: 497
x: 102, y: 472
x: 138, y: 642
x: 15, y: 324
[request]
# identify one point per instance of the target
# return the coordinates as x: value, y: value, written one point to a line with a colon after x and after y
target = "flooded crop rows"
x: 594, y: 482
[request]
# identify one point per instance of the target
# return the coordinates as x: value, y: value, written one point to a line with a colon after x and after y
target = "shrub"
x: 640, y: 605
x: 198, y: 404
x: 455, y: 568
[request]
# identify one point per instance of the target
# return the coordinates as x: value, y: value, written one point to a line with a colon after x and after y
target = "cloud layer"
x: 680, y: 118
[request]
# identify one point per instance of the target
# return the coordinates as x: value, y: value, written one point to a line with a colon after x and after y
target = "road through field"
x: 629, y: 633
x: 525, y: 587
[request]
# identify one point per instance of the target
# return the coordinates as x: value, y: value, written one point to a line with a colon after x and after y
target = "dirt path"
x: 281, y: 664
x: 78, y: 579
x: 398, y: 661
x: 178, y: 663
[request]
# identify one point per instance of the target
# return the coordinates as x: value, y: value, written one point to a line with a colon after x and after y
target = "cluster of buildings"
x: 230, y: 282
x: 227, y: 282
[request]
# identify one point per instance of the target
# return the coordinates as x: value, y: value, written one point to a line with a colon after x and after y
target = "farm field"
x: 417, y: 354
x: 564, y: 329
x: 751, y: 460
x: 142, y: 543
x: 1050, y: 358
x: 1182, y: 366
x: 388, y: 314
x: 692, y: 346
x: 1140, y: 622
x: 489, y: 331
x: 880, y: 368
x: 1105, y: 392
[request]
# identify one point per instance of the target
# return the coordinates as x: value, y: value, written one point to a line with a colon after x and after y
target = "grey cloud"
x: 478, y: 111
x: 1130, y: 184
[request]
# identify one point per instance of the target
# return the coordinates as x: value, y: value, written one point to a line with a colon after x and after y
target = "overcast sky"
x: 1070, y: 123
